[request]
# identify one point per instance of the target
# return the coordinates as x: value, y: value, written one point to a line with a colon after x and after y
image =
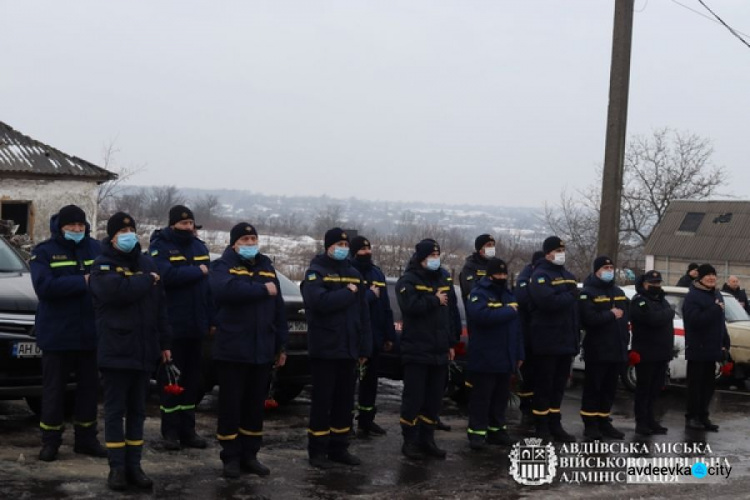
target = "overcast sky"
x: 495, y: 102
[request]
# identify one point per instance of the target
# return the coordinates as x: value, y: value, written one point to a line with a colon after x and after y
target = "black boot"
x: 193, y: 441
x: 591, y: 431
x: 92, y: 448
x: 708, y: 425
x: 48, y: 453
x: 231, y: 469
x: 253, y: 466
x: 137, y: 477
x: 656, y: 428
x: 344, y: 457
x: 608, y: 429
x: 541, y: 424
x: 643, y: 430
x: 694, y: 424
x: 499, y: 437
x: 117, y: 480
x: 171, y: 444
x: 427, y: 441
x: 556, y: 429
x: 477, y: 441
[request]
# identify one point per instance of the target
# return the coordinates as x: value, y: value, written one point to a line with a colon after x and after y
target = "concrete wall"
x: 672, y: 269
x: 47, y: 197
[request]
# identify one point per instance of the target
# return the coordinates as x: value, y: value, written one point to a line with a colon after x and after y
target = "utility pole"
x: 617, y: 119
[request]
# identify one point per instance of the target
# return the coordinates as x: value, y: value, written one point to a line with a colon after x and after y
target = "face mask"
x: 364, y: 259
x: 607, y: 276
x: 340, y: 253
x: 74, y: 236
x: 559, y: 259
x: 500, y: 283
x: 433, y: 263
x: 183, y: 233
x: 126, y: 241
x: 489, y: 252
x: 247, y: 251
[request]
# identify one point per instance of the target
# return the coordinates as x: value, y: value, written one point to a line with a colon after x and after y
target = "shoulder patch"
x: 541, y: 280
x: 469, y: 278
x: 522, y: 284
x: 311, y: 277
x: 33, y: 256
x: 474, y: 298
x: 154, y: 253
x: 448, y: 278
x: 583, y: 296
x: 642, y: 303
x: 403, y: 289
x: 104, y: 267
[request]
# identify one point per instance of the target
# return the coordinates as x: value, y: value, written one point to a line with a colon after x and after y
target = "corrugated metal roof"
x: 22, y: 156
x: 716, y: 238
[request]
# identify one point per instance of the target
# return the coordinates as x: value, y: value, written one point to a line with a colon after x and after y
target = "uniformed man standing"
x: 604, y: 317
x: 183, y: 261
x: 706, y: 342
x: 429, y: 333
x: 495, y: 352
x: 252, y: 333
x: 476, y: 264
x: 554, y: 337
x: 651, y: 318
x: 525, y: 306
x: 383, y: 332
x: 65, y: 331
x: 338, y: 324
x: 133, y: 334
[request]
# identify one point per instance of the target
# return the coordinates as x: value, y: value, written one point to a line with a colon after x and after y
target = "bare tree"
x: 162, y: 198
x: 576, y: 222
x: 109, y: 191
x: 330, y: 216
x: 668, y: 165
x: 206, y: 209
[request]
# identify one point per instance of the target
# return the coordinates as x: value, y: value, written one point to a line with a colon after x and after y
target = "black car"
x: 289, y: 380
x: 390, y: 362
x: 20, y: 357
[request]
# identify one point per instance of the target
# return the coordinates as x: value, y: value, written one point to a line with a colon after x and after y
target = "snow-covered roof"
x: 23, y: 157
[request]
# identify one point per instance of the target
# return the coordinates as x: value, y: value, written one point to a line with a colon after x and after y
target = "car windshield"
x: 288, y: 288
x: 733, y: 310
x: 10, y: 262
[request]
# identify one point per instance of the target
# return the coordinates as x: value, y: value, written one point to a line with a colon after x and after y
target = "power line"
x: 731, y: 30
x: 713, y: 20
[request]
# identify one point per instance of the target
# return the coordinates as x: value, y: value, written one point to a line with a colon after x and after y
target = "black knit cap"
x: 705, y: 270
x: 70, y: 214
x: 178, y: 213
x: 240, y: 230
x: 496, y: 266
x: 652, y: 277
x: 358, y: 243
x: 692, y: 266
x: 424, y: 248
x: 552, y: 243
x: 602, y: 261
x: 334, y: 235
x: 537, y: 256
x: 482, y: 240
x: 119, y: 221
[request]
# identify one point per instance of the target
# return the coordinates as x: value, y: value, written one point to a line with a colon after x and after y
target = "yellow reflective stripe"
x: 495, y: 429
x: 525, y: 394
x: 426, y: 420
x: 187, y: 407
x: 444, y: 289
x: 266, y: 274
x: 513, y: 304
x: 423, y: 288
x: 340, y: 279
x: 318, y: 433
x: 597, y: 300
x: 126, y: 272
x: 347, y: 279
x: 63, y: 263
x: 554, y: 410
x: 250, y: 433
x: 537, y: 412
x: 379, y: 283
x: 481, y: 273
x: 589, y: 414
x: 84, y: 424
x: 227, y: 437
x: 468, y: 384
x: 410, y: 423
x: 173, y: 409
x: 110, y: 446
x: 621, y: 297
x: 342, y: 430
x: 564, y: 282
x: 605, y: 415
x: 47, y: 427
x: 88, y: 262
x: 202, y: 257
x: 242, y: 272
x: 137, y: 442
x: 494, y: 304
x: 179, y: 257
x: 478, y: 433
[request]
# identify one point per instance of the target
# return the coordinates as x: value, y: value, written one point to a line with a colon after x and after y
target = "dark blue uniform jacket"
x: 65, y: 314
x: 429, y: 329
x: 496, y: 345
x: 381, y: 315
x: 338, y: 320
x: 652, y: 322
x: 188, y: 298
x: 131, y: 314
x: 252, y: 326
x: 521, y: 292
x: 554, y: 316
x: 475, y: 268
x: 607, y: 337
x: 705, y: 325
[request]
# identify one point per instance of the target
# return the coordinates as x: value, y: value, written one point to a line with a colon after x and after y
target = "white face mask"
x: 489, y: 252
x: 559, y: 259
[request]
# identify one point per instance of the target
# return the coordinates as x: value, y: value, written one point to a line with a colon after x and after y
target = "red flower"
x: 271, y: 404
x: 174, y: 389
x: 634, y: 358
x: 726, y: 368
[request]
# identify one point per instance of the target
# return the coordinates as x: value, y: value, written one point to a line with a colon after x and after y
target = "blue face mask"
x: 247, y: 251
x: 340, y: 253
x: 433, y: 263
x: 607, y: 276
x: 74, y: 236
x: 126, y: 241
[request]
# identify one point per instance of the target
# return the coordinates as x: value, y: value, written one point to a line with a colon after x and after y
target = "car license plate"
x: 26, y: 350
x: 297, y: 326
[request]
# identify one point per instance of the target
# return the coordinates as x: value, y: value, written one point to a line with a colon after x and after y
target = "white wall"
x: 48, y: 196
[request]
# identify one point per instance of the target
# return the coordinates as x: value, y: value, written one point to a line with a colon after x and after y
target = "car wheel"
x: 628, y: 377
x: 284, y: 393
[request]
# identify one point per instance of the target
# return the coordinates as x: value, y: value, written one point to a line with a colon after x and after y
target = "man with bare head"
x: 732, y: 286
